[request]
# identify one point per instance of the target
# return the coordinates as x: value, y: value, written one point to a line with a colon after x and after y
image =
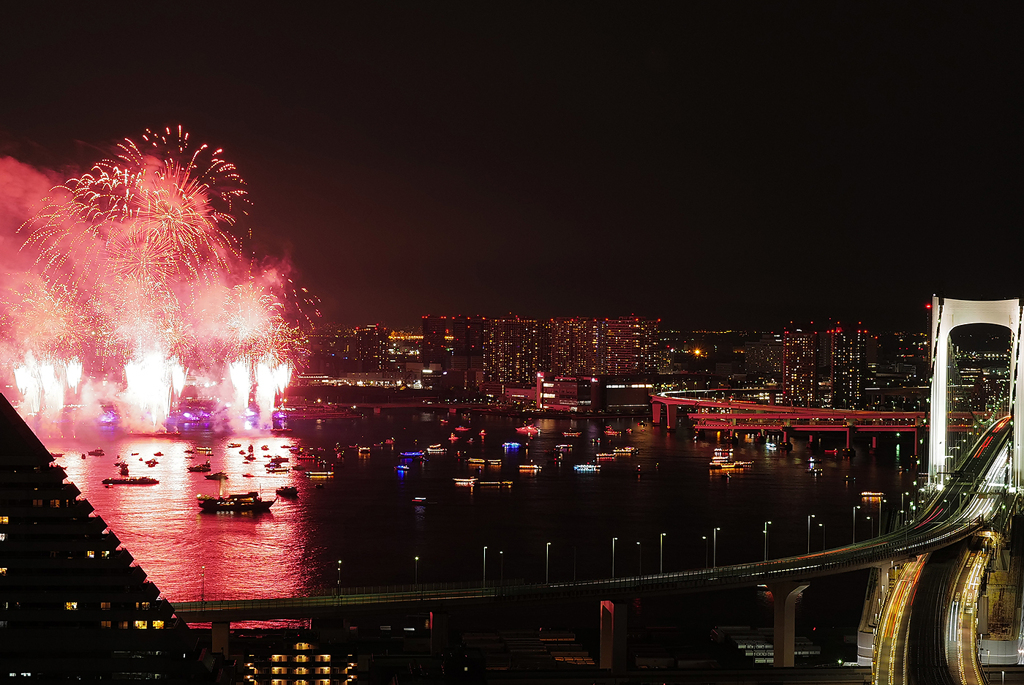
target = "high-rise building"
x: 512, y: 350
x: 799, y: 367
x: 434, y: 348
x: 371, y: 348
x: 75, y: 605
x: 849, y: 366
x: 764, y: 357
x: 467, y: 341
x: 628, y: 345
x: 575, y: 345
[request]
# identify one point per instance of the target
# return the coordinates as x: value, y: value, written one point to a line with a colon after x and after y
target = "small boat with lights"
x: 528, y: 429
x: 571, y: 434
x: 465, y: 482
x: 201, y: 468
x: 401, y: 467
x: 288, y: 491
x: 495, y: 484
x: 220, y: 475
x: 233, y: 445
x: 319, y: 474
x: 436, y: 449
x: 246, y: 502
x: 530, y: 468
x: 95, y: 453
x: 587, y: 468
x: 134, y: 480
x: 462, y: 428
x: 511, y: 446
x: 477, y: 461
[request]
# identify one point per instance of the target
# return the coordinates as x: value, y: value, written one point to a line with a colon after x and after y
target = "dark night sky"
x: 714, y: 164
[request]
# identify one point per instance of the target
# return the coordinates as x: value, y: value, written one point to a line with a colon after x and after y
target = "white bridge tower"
x: 947, y: 314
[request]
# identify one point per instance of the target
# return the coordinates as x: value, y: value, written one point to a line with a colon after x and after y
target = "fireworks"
x: 139, y: 261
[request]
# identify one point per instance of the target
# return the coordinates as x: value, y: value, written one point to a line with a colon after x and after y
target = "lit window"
x: 140, y: 625
x: 105, y: 606
x: 71, y: 606
x: 90, y: 554
x: 302, y: 657
x: 123, y: 625
x: 301, y: 671
x: 105, y: 554
x: 105, y: 624
x: 37, y: 503
x: 3, y: 536
x: 144, y: 606
x: 4, y: 520
x: 158, y: 625
x: 279, y: 670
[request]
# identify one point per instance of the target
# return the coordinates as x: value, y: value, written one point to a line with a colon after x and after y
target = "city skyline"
x: 709, y: 168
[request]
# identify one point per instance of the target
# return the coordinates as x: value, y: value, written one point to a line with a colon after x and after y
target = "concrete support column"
x: 438, y: 632
x: 452, y: 411
x: 784, y: 595
x: 656, y: 413
x: 377, y: 410
x: 220, y: 633
x: 849, y: 434
x: 613, y: 636
x: 874, y: 442
x: 670, y: 422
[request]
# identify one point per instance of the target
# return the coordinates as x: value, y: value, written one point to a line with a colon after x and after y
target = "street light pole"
x: 485, y: 565
x: 416, y: 573
x: 766, y: 524
x: 640, y: 557
x: 706, y: 543
x: 822, y: 526
x: 613, y: 556
x: 547, y: 559
x: 809, y: 517
x: 714, y: 547
x: 661, y: 553
x: 501, y: 556
x: 338, y: 591
x: 855, y: 508
x: 202, y: 589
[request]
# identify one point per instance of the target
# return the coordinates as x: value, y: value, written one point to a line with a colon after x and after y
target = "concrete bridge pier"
x: 438, y: 632
x: 613, y: 637
x: 670, y: 420
x: 220, y: 634
x: 784, y: 594
x: 656, y: 413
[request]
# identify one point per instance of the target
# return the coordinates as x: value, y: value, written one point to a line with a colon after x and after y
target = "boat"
x: 533, y: 468
x: 831, y: 451
x: 275, y: 468
x: 420, y: 501
x: 529, y: 429
x: 511, y: 446
x: 288, y: 491
x: 265, y: 447
x: 453, y: 437
x: 466, y: 482
x: 482, y: 432
x: 96, y: 453
x: 587, y: 468
x: 319, y: 474
x: 201, y: 468
x: 233, y: 445
x: 364, y: 450
x: 134, y: 480
x: 495, y: 483
x: 436, y: 449
x: 605, y: 456
x: 412, y: 454
x: 624, y: 450
x: 220, y: 475
x: 151, y: 462
x: 204, y: 450
x: 250, y: 501
x: 571, y: 434
x: 401, y: 467
x: 56, y: 455
x: 158, y: 454
x: 730, y: 464
x: 494, y: 462
x: 462, y: 428
x: 612, y: 432
x: 248, y: 475
x: 477, y: 460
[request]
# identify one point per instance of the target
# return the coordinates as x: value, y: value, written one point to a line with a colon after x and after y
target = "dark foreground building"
x: 72, y: 604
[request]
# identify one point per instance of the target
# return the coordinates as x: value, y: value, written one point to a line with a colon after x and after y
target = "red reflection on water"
x: 187, y: 553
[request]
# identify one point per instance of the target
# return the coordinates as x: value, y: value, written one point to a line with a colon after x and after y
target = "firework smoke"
x: 138, y: 275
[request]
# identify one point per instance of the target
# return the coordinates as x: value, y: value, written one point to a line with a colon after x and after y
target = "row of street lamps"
x: 710, y: 547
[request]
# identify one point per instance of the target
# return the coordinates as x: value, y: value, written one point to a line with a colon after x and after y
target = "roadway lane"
x: 890, y: 661
x: 962, y: 642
